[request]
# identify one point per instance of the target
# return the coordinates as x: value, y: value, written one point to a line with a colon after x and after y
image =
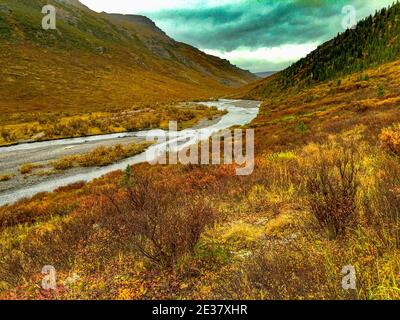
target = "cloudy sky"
x: 259, y: 35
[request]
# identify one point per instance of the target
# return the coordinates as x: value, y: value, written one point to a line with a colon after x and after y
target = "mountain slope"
x: 265, y: 74
x: 97, y: 61
x: 374, y: 41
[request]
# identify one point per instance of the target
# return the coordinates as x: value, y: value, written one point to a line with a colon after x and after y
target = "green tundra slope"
x: 374, y: 40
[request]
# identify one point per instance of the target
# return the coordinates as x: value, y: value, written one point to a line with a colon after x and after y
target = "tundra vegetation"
x: 99, y: 157
x: 55, y: 125
x: 5, y: 177
x: 319, y: 199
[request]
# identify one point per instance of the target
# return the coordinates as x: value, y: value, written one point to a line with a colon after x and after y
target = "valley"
x: 324, y: 195
x: 57, y: 83
x: 40, y: 155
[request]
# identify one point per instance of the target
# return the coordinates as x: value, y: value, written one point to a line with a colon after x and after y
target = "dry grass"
x: 28, y: 168
x: 101, y: 156
x: 55, y: 125
x: 306, y: 263
x: 6, y: 177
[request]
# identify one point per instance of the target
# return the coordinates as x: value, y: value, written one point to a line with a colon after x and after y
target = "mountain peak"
x: 138, y: 20
x: 75, y: 3
x: 132, y: 18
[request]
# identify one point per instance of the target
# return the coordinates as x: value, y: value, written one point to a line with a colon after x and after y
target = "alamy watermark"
x: 49, y: 281
x: 49, y: 21
x: 349, y: 281
x: 349, y: 20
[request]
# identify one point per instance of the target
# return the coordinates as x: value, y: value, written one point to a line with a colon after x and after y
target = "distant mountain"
x: 99, y: 60
x: 374, y: 41
x: 265, y: 74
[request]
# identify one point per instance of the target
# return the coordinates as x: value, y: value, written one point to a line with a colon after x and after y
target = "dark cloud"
x: 258, y: 23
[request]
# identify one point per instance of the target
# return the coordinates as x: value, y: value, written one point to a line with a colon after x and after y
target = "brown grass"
x: 390, y: 139
x: 101, y: 156
x: 6, y: 177
x: 28, y: 168
x: 55, y: 125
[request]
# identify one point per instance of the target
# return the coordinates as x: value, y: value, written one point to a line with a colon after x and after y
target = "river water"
x: 239, y: 112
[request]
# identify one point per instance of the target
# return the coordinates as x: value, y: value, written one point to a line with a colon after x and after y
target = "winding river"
x: 239, y: 112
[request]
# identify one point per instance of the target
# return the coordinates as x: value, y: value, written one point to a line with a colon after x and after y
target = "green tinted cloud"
x: 260, y: 23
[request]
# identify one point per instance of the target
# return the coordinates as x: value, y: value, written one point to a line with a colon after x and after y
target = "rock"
x: 39, y: 136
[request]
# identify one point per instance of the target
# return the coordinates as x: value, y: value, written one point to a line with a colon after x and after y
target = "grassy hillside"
x: 374, y: 40
x: 96, y: 63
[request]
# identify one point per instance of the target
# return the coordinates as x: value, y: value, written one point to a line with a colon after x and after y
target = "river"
x: 239, y: 112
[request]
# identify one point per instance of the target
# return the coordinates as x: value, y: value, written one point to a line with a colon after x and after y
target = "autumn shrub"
x: 390, y: 139
x: 5, y: 177
x: 71, y: 187
x: 30, y: 212
x: 360, y: 187
x: 28, y: 168
x: 101, y: 156
x: 64, y: 163
x: 309, y: 266
x: 161, y: 226
x: 332, y: 182
x: 7, y: 135
x: 82, y: 123
x: 380, y: 91
x: 312, y: 268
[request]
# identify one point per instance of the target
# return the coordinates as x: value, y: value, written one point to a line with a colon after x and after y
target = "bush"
x: 380, y: 91
x: 28, y: 168
x: 332, y: 183
x: 5, y: 177
x: 64, y: 163
x: 390, y: 139
x: 161, y: 227
x: 6, y: 135
x: 302, y: 128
